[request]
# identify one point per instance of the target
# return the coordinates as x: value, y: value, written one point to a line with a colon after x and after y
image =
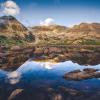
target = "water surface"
x: 46, y: 74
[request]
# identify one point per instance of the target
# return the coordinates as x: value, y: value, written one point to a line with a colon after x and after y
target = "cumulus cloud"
x: 47, y: 22
x: 10, y: 8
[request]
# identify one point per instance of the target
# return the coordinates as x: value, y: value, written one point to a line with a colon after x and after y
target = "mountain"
x: 49, y: 28
x: 84, y: 33
x: 11, y: 30
x: 87, y: 27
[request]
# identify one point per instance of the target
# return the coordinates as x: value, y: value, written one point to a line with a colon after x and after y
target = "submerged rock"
x: 70, y: 91
x: 12, y: 57
x: 61, y: 93
x: 14, y: 94
x: 78, y: 75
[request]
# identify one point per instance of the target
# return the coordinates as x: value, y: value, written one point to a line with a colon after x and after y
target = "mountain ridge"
x: 13, y: 32
x: 82, y: 34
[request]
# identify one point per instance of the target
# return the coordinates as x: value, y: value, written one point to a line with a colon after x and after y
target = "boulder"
x: 14, y: 94
x: 90, y: 70
x: 78, y: 75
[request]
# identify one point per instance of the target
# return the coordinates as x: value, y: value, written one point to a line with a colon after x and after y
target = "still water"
x: 46, y: 74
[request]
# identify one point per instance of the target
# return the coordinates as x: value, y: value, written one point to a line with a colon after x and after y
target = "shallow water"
x: 45, y: 74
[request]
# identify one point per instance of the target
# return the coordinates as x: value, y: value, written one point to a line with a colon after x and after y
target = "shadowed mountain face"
x: 84, y: 33
x: 11, y: 30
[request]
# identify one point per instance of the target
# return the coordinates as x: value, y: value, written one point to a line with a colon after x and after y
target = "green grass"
x: 16, y: 39
x: 54, y: 42
x: 90, y: 42
x: 30, y: 39
x: 11, y: 42
x: 67, y: 42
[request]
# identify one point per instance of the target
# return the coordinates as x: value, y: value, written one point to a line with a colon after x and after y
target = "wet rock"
x: 61, y: 93
x: 90, y: 70
x: 12, y: 58
x: 14, y: 94
x: 69, y: 91
x: 60, y: 58
x: 20, y: 94
x: 78, y: 75
x: 55, y: 96
x: 75, y: 71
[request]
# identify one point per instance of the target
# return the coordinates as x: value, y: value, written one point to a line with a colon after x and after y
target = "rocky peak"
x: 7, y: 18
x: 9, y: 25
x: 11, y: 29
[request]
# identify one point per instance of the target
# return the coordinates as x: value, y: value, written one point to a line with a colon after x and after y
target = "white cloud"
x: 10, y: 8
x: 47, y: 22
x: 13, y: 77
x: 47, y: 65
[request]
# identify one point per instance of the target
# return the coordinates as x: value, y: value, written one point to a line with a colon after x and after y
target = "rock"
x: 49, y: 90
x: 75, y: 71
x: 12, y: 58
x: 61, y: 93
x: 14, y: 94
x: 69, y: 91
x: 90, y: 70
x: 25, y: 94
x: 55, y: 96
x: 78, y: 75
x: 61, y: 58
x: 56, y: 59
x: 15, y: 48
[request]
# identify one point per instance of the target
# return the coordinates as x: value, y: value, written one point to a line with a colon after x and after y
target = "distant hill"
x: 49, y: 28
x: 83, y: 34
x: 87, y: 27
x: 12, y: 31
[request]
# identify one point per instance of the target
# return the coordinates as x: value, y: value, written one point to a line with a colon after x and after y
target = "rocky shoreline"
x: 12, y: 58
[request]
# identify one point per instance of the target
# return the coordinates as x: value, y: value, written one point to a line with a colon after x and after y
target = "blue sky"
x: 64, y: 12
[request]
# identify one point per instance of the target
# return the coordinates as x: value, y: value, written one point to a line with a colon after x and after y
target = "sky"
x: 45, y: 12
